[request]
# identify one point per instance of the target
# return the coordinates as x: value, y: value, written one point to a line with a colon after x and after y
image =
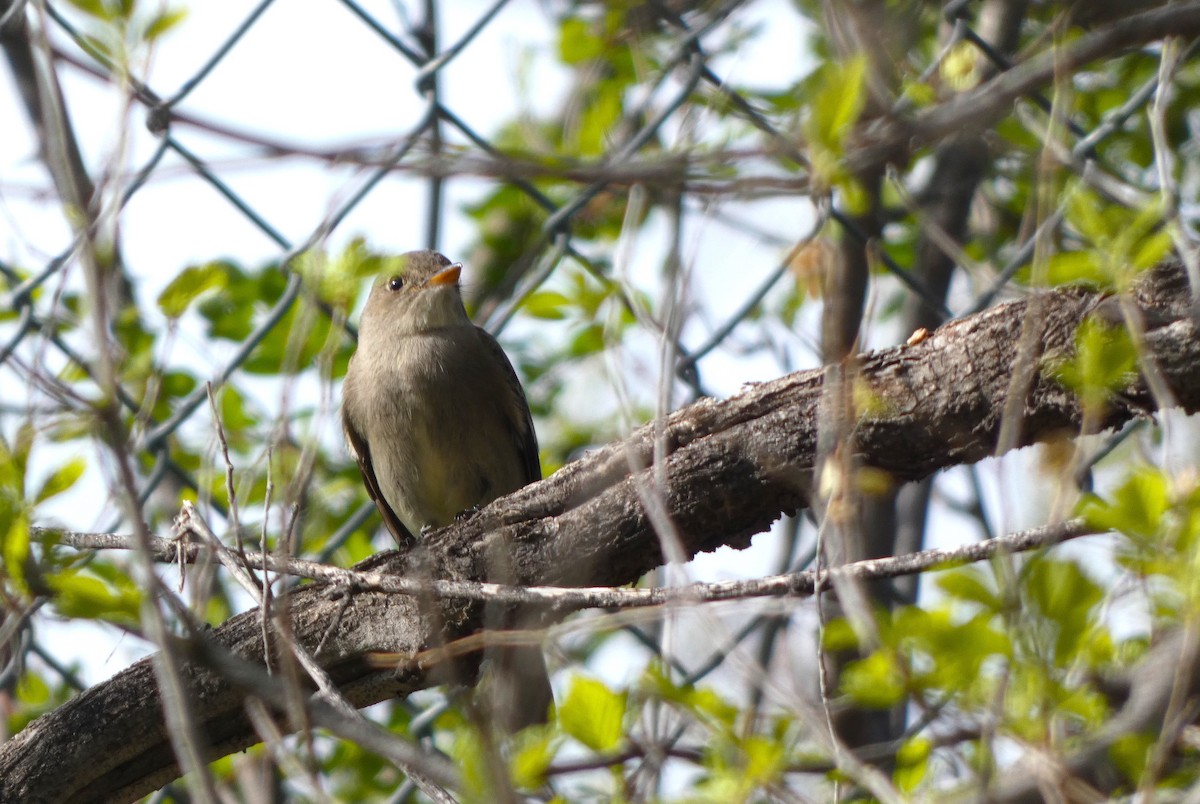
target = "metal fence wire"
x: 58, y: 364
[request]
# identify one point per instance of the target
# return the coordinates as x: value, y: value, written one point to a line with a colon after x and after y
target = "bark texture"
x: 731, y: 468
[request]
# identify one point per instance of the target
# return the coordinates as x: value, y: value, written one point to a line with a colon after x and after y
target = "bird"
x: 436, y: 417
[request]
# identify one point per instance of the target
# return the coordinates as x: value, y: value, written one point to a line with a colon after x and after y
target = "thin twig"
x: 797, y: 584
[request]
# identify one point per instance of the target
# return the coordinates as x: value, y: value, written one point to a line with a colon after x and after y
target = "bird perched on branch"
x: 438, y: 422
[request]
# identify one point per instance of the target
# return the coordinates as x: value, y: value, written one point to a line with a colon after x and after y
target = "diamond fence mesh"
x: 650, y: 142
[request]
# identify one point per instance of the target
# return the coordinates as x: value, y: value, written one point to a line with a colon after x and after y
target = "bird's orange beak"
x: 446, y: 276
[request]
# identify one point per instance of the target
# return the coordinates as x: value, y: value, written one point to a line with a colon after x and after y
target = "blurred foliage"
x: 1013, y: 652
x: 838, y: 92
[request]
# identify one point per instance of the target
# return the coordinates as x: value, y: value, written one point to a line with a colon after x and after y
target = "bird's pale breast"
x: 450, y: 415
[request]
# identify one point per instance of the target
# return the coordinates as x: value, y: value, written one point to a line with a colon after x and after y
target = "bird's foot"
x: 463, y: 516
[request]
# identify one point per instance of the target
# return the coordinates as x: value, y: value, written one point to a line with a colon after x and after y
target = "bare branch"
x: 992, y: 100
x: 795, y: 584
x: 731, y: 467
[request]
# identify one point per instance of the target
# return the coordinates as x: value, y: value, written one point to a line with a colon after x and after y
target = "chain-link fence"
x: 652, y: 145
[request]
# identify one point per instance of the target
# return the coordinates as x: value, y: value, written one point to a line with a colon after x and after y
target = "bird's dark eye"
x: 395, y: 283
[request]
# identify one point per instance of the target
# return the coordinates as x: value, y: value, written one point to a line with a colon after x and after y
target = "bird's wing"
x: 362, y: 453
x: 522, y: 419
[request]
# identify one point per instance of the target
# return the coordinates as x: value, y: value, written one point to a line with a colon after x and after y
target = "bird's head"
x: 421, y: 295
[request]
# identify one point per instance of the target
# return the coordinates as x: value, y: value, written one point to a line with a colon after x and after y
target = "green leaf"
x: 1105, y: 361
x: 338, y: 279
x: 1137, y: 508
x: 838, y: 102
x: 292, y: 346
x: 838, y: 99
x: 577, y: 43
x: 1152, y: 250
x: 87, y: 597
x: 1063, y: 593
x: 12, y: 487
x: 599, y: 117
x: 855, y: 198
x: 235, y: 413
x: 970, y: 584
x: 470, y: 757
x: 839, y: 635
x: 589, y: 341
x: 194, y: 281
x: 227, y: 318
x: 16, y: 550
x: 32, y: 690
x: 35, y: 697
x: 96, y: 9
x: 764, y: 759
x: 874, y: 682
x: 1138, y: 240
x: 546, y: 304
x: 61, y: 479
x: 1086, y: 213
x: 593, y: 714
x: 1121, y: 241
x: 959, y: 67
x: 20, y: 451
x: 708, y: 702
x: 956, y: 650
x: 1077, y: 268
x: 537, y: 749
x: 162, y: 22
x: 230, y: 314
x: 703, y: 702
x: 1130, y: 753
x: 912, y: 763
x: 919, y: 93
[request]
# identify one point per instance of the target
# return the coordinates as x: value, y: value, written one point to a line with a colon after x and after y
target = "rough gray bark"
x: 732, y: 467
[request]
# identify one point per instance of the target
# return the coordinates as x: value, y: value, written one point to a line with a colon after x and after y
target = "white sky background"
x: 312, y: 73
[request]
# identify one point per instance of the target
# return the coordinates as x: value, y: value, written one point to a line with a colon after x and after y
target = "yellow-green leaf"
x: 533, y: 756
x: 874, y: 682
x: 547, y: 304
x: 593, y: 714
x: 1137, y: 508
x: 16, y: 549
x: 1105, y: 360
x: 1086, y: 213
x: 61, y: 479
x: 162, y: 22
x: 1151, y: 250
x: 958, y: 68
x: 912, y: 762
x: 84, y: 596
x: 191, y: 283
x: 764, y: 759
x: 1077, y: 267
x: 577, y: 43
x: 838, y: 102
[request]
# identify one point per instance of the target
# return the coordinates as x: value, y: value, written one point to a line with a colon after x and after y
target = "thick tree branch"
x: 731, y: 468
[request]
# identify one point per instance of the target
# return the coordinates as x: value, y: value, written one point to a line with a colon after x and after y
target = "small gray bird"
x: 437, y: 420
